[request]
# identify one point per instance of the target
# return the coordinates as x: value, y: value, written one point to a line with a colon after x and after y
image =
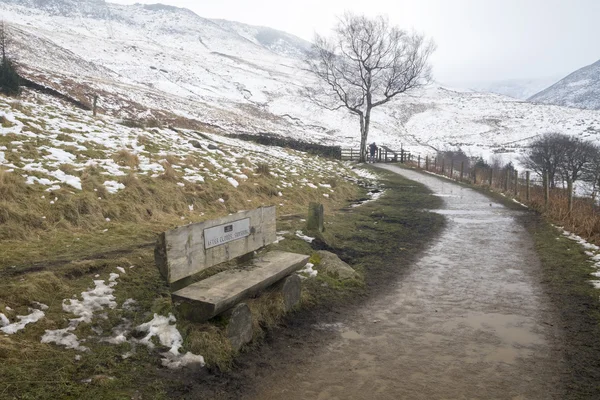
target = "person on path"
x: 372, y: 151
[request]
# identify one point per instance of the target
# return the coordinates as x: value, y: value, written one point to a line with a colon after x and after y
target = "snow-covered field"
x: 145, y: 61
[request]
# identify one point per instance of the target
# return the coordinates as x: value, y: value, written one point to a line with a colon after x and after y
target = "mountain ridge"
x: 580, y: 89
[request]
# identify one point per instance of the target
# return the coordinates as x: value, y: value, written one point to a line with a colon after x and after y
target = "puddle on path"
x: 467, y: 322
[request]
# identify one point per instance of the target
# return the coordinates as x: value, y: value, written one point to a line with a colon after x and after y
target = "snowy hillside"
x: 159, y: 62
x: 520, y: 89
x: 277, y: 41
x: 56, y: 147
x: 581, y: 89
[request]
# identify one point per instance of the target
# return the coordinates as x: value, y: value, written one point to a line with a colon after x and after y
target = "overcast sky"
x: 477, y: 40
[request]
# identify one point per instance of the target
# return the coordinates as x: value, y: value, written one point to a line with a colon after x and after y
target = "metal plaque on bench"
x: 219, y: 235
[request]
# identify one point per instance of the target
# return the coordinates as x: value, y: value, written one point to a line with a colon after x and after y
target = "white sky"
x: 477, y: 40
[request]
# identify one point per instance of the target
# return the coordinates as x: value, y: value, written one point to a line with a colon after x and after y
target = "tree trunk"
x: 546, y: 189
x: 570, y: 192
x: 367, y: 123
x: 363, y: 141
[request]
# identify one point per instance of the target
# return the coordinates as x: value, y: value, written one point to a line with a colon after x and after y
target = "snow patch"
x: 92, y: 300
x: 113, y: 186
x: 64, y: 337
x: 11, y: 329
x: 308, y: 270
x: 168, y: 336
x: 304, y: 237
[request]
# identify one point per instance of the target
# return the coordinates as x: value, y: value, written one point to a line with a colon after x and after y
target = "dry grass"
x: 126, y: 158
x: 263, y: 169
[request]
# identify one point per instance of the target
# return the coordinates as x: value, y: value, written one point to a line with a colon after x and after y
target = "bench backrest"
x: 187, y: 250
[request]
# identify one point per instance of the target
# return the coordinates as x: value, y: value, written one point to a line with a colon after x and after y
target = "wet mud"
x: 469, y: 320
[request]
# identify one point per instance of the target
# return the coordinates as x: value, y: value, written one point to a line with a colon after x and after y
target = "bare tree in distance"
x: 546, y: 155
x: 578, y: 155
x: 366, y: 64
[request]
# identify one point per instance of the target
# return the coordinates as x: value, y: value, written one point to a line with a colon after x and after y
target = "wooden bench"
x: 188, y: 250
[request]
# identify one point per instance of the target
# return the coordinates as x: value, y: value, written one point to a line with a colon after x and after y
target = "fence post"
x: 546, y: 189
x: 516, y: 183
x: 528, y: 190
x: 475, y: 176
x: 402, y: 155
x: 462, y: 170
x: 491, y: 177
x: 386, y: 159
x: 443, y: 165
x: 452, y: 169
x: 95, y: 106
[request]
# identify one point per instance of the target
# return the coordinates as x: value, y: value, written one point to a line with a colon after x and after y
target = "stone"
x: 291, y: 291
x: 316, y: 218
x: 196, y: 144
x: 213, y: 147
x: 334, y: 267
x: 239, y: 328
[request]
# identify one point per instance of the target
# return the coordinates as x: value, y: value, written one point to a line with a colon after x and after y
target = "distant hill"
x: 521, y: 89
x: 581, y: 89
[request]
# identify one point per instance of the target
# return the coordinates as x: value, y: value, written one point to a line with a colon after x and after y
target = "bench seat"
x: 207, y: 298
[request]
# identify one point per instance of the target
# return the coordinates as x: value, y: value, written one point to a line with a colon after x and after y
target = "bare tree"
x: 366, y: 64
x: 578, y: 155
x: 546, y: 155
x: 592, y: 172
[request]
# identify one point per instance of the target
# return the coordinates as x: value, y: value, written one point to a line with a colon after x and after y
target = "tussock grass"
x: 126, y: 158
x: 263, y: 169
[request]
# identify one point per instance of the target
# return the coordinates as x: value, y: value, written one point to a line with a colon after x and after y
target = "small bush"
x: 10, y: 81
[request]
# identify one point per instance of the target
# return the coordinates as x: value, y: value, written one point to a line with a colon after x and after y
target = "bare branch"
x: 367, y: 64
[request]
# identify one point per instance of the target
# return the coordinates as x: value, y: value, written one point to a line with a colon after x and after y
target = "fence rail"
x: 384, y: 154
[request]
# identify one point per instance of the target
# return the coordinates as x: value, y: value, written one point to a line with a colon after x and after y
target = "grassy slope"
x: 366, y: 237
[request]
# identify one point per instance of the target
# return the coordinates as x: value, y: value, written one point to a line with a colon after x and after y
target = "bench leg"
x: 239, y: 327
x: 291, y: 291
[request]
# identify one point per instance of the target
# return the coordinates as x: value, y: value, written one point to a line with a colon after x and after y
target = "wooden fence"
x: 579, y: 214
x: 384, y: 155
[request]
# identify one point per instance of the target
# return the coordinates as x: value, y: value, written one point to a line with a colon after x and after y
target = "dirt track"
x: 469, y: 320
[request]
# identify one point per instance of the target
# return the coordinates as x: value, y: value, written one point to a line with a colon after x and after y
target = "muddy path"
x: 468, y: 320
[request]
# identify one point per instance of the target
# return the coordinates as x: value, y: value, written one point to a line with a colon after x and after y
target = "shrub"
x: 10, y: 81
